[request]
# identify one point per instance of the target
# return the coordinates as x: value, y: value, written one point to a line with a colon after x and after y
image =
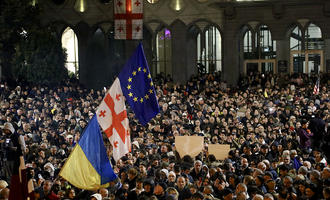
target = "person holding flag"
x: 88, y: 166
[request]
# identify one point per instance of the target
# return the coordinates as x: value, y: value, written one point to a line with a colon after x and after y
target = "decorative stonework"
x: 326, y: 9
x: 278, y: 10
x: 303, y: 22
x: 230, y: 12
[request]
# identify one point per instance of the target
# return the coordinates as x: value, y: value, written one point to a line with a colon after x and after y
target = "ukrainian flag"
x: 88, y: 166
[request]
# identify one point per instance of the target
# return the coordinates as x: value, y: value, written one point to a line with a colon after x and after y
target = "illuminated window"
x: 247, y: 45
x: 209, y: 53
x: 213, y: 49
x: 70, y: 43
x: 266, y: 46
x: 296, y: 39
x: 164, y: 52
x: 313, y: 37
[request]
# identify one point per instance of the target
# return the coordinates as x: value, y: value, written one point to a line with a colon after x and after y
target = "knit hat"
x: 9, y: 127
x: 97, y: 196
x: 165, y: 171
x: 136, y: 143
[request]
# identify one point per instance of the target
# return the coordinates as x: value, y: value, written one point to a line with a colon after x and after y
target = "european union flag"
x: 138, y: 88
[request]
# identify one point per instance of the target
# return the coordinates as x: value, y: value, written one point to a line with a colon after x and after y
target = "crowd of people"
x: 278, y: 131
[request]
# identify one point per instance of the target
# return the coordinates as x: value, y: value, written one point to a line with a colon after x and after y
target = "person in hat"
x: 96, y: 196
x: 12, y: 145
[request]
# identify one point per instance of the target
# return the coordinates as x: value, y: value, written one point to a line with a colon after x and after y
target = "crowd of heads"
x: 276, y: 127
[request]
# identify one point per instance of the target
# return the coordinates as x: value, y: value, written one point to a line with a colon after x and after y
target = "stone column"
x: 179, y: 51
x: 326, y: 54
x: 283, y: 53
x: 230, y: 69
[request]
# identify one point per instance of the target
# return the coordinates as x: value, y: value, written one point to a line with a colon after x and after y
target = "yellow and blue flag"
x: 138, y: 88
x: 88, y: 166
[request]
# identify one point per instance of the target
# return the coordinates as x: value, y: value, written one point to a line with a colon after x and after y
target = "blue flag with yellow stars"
x: 138, y: 88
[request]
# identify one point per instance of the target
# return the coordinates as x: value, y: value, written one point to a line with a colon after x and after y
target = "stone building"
x: 235, y: 37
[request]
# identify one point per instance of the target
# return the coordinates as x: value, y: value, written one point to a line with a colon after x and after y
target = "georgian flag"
x: 112, y: 117
x: 128, y: 19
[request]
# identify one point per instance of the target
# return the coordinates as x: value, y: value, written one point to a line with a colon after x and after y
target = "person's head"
x: 311, y: 190
x: 241, y: 196
x: 171, y: 176
x: 61, y: 194
x: 303, y: 170
x: 71, y: 193
x: 262, y: 166
x: 197, y: 196
x: 259, y: 180
x: 3, y: 184
x: 159, y: 189
x: 208, y: 190
x: 307, y: 164
x: 198, y: 165
x: 241, y: 187
x: 317, y: 154
x: 181, y: 182
x: 258, y: 197
x: 142, y: 168
x: 326, y: 192
x: 96, y: 196
x: 172, y: 191
x: 148, y: 185
x: 104, y: 192
x: 287, y: 181
x: 8, y: 128
x: 271, y: 184
x: 132, y: 173
x: 325, y: 173
x: 227, y: 194
x: 4, y: 193
x: 268, y: 196
x: 284, y: 169
x: 47, y: 186
x: 268, y: 176
x: 286, y: 160
x: 314, y: 176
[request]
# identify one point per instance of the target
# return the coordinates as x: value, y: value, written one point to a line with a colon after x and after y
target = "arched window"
x: 213, y: 53
x: 200, y: 52
x: 247, y: 42
x: 296, y: 39
x: 306, y: 48
x: 313, y: 37
x: 209, y: 52
x: 265, y: 45
x: 164, y: 52
x: 70, y: 43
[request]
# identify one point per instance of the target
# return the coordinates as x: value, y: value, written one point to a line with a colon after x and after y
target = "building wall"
x: 100, y: 63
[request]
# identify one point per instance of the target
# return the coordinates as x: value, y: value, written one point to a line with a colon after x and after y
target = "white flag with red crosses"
x: 112, y: 117
x: 128, y: 19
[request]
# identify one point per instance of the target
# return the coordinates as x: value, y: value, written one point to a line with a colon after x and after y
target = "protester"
x: 277, y: 150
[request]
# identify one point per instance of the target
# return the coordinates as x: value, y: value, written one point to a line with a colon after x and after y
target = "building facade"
x: 234, y: 37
